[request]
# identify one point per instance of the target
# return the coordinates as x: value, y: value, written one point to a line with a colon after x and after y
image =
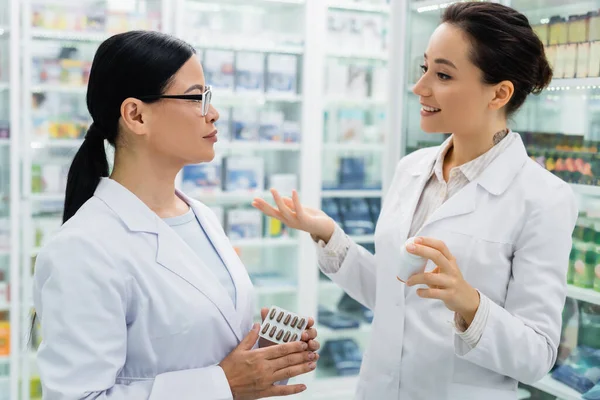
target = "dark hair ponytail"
x: 88, y: 166
x: 130, y: 64
x: 505, y: 47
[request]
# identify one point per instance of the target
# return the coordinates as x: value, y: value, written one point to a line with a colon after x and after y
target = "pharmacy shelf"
x: 354, y: 101
x: 356, y: 6
x: 363, y: 239
x: 555, y: 388
x: 4, y: 30
x: 586, y: 190
x: 574, y: 84
x: 523, y: 394
x: 59, y: 88
x: 232, y: 98
x: 328, y: 285
x: 587, y: 295
x: 51, y: 34
x: 430, y: 5
x: 350, y: 194
x: 4, y: 360
x: 42, y: 197
x: 4, y: 86
x: 4, y: 307
x: 257, y: 146
x: 275, y: 290
x: 4, y: 142
x: 220, y: 197
x: 4, y: 252
x: 255, y: 46
x: 358, y: 55
x: 326, y: 332
x: 353, y: 147
x: 57, y: 143
x: 265, y: 242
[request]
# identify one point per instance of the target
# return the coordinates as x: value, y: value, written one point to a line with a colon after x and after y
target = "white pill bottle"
x: 409, y: 264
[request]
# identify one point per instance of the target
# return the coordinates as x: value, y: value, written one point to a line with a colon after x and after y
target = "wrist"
x: 468, y: 314
x: 326, y: 234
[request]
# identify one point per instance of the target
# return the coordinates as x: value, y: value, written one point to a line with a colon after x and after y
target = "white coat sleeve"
x: 81, y: 300
x: 356, y: 271
x: 521, y: 340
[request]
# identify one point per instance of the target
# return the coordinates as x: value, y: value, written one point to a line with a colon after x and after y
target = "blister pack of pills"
x: 282, y: 326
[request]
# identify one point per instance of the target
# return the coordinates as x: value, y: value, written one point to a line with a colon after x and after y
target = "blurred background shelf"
x: 587, y: 295
x: 348, y: 194
x: 354, y: 147
x: 266, y: 242
x: 78, y: 36
x: 555, y: 388
x: 359, y: 6
x: 586, y: 190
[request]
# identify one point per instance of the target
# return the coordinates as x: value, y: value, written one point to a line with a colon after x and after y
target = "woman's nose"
x: 421, y: 88
x: 213, y: 115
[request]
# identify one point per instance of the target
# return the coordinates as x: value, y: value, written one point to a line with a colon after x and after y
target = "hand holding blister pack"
x: 409, y: 264
x: 281, y: 326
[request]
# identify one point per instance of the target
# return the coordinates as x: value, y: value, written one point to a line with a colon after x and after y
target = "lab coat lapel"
x: 495, y: 179
x: 176, y: 256
x: 230, y: 258
x: 171, y: 253
x: 463, y: 202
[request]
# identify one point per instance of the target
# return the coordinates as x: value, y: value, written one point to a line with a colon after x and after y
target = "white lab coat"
x: 510, y: 231
x: 129, y: 311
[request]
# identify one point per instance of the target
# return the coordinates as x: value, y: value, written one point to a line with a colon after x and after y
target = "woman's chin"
x: 429, y: 128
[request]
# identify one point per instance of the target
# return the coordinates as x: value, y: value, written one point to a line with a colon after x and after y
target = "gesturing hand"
x: 293, y: 214
x: 446, y: 282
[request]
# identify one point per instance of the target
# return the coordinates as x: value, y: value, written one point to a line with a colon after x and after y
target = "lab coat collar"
x: 138, y: 217
x: 133, y: 212
x: 496, y: 178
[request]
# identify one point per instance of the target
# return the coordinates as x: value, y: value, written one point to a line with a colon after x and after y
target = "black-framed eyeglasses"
x: 204, y: 98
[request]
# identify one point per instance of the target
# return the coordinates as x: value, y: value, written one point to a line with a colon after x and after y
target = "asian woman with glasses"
x: 140, y: 295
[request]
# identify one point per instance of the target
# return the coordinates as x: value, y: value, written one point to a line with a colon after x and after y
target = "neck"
x: 152, y: 182
x: 468, y: 146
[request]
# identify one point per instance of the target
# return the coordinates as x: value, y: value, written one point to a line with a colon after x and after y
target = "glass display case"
x: 59, y: 40
x: 355, y: 123
x: 252, y: 56
x: 560, y: 128
x: 9, y: 194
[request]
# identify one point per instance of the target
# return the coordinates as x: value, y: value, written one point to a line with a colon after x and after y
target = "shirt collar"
x: 473, y: 168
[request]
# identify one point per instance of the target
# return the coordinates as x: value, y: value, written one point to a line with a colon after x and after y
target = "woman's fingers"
x: 281, y: 390
x: 290, y: 372
x: 267, y: 209
x: 297, y: 205
x: 283, y: 209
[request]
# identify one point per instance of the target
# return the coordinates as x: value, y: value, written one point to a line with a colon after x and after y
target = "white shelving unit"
x: 359, y: 6
x: 349, y: 194
x: 555, y: 388
x: 587, y: 295
x: 9, y: 149
x: 29, y: 144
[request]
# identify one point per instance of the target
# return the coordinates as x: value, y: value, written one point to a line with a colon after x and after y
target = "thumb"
x: 263, y: 313
x: 250, y: 339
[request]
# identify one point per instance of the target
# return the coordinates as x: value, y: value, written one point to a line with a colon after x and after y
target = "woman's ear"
x: 132, y: 114
x: 503, y: 92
